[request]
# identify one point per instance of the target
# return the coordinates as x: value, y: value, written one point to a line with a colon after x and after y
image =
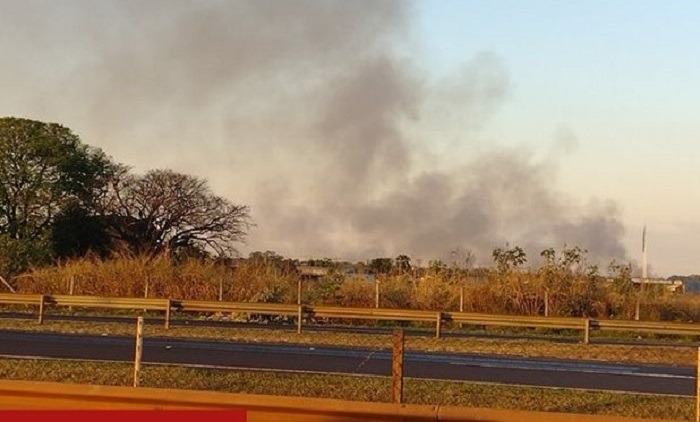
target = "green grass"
x: 347, y: 387
x: 673, y: 354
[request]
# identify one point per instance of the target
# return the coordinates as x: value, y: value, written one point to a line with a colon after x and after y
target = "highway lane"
x: 655, y: 379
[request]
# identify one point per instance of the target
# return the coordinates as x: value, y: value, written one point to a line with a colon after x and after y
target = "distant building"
x: 675, y: 286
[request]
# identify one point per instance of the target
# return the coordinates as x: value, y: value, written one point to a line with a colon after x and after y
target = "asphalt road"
x: 536, y: 372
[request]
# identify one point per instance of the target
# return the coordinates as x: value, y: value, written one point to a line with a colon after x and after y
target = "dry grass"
x: 349, y: 387
x: 570, y: 294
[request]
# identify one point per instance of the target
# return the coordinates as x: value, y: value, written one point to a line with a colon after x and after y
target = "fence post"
x: 546, y: 303
x: 697, y: 392
x: 461, y: 299
x: 42, y: 299
x: 300, y: 315
x: 71, y: 287
x: 397, y: 366
x: 167, y: 314
x: 221, y: 289
x: 145, y: 289
x: 636, y: 309
x: 438, y: 324
x: 139, y: 351
x: 586, y: 330
x: 376, y: 293
x: 299, y: 291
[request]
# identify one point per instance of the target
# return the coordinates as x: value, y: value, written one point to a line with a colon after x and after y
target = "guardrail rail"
x: 300, y: 311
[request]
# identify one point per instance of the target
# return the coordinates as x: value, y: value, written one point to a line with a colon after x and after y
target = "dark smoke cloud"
x: 310, y: 111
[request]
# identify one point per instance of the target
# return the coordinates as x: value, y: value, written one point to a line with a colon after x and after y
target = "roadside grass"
x: 349, y: 387
x: 519, y: 347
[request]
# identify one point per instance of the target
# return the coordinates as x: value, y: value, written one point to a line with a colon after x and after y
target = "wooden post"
x: 438, y: 324
x: 397, y: 366
x: 221, y: 289
x: 636, y: 309
x: 139, y: 351
x: 546, y: 303
x: 145, y: 292
x: 300, y: 316
x: 71, y: 286
x: 41, y: 309
x: 697, y: 392
x: 461, y: 299
x: 376, y: 293
x: 167, y: 315
x: 586, y: 330
x: 299, y: 291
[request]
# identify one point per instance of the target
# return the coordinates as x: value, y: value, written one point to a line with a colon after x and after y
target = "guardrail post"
x: 139, y: 351
x: 42, y: 299
x: 438, y: 324
x: 71, y: 286
x: 397, y: 366
x: 167, y: 314
x: 586, y: 330
x: 376, y: 293
x: 300, y: 315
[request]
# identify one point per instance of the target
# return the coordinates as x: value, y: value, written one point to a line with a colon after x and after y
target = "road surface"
x: 655, y: 379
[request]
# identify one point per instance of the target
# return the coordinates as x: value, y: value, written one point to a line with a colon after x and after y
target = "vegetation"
x: 571, y: 288
x: 69, y: 215
x: 61, y: 199
x: 350, y: 387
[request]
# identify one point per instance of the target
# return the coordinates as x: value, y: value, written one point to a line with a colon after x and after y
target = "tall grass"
x: 261, y: 281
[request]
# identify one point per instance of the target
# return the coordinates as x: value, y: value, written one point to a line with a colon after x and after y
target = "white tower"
x: 645, y: 261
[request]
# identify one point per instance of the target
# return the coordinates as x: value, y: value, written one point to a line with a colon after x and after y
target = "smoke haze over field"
x: 314, y: 113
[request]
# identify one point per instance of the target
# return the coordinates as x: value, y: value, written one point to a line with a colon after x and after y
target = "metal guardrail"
x: 20, y: 395
x: 301, y: 311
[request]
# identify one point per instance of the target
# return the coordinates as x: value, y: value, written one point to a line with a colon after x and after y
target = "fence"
x: 300, y: 312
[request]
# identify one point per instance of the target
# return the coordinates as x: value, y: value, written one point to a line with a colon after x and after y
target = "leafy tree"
x: 402, y: 263
x: 509, y: 258
x: 166, y: 211
x: 16, y: 255
x: 381, y: 265
x: 45, y: 170
x: 76, y: 231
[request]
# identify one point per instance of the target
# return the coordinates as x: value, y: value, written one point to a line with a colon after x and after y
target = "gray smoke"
x: 313, y: 112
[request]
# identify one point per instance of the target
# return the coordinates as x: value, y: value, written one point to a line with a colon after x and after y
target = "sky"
x: 357, y: 129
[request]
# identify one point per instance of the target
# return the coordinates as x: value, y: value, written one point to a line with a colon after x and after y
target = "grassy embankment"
x: 363, y: 388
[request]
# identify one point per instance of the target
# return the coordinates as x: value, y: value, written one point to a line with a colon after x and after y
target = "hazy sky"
x: 362, y: 128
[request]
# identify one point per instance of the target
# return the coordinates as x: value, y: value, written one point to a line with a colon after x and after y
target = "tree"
x: 509, y: 258
x: 44, y: 168
x: 77, y: 231
x: 44, y: 171
x: 402, y: 263
x: 166, y: 211
x: 381, y: 265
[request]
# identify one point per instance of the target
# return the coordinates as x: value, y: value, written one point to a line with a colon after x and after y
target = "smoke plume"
x: 314, y: 113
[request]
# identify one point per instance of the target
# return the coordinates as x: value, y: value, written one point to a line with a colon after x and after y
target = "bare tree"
x: 169, y: 211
